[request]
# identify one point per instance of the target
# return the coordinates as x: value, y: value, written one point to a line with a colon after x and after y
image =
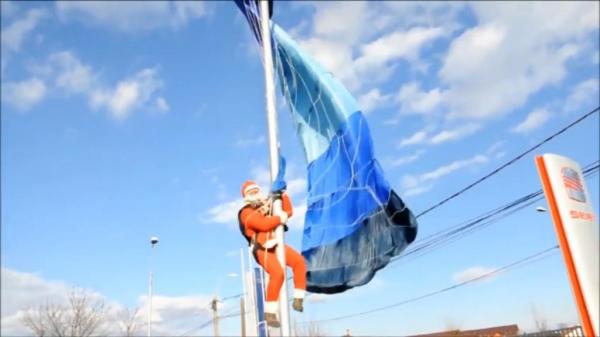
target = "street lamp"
x: 153, y: 242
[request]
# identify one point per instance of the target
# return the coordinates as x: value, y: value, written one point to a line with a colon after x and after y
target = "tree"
x: 84, y: 315
x: 541, y: 323
x: 311, y: 329
x: 129, y: 322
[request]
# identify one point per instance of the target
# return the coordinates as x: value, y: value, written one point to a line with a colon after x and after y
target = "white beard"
x: 256, y: 200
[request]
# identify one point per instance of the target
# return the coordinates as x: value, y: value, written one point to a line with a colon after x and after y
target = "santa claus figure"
x: 258, y: 226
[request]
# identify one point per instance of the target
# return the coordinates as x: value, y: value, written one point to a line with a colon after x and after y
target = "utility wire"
x: 208, y: 323
x: 231, y: 297
x: 441, y: 238
x: 531, y: 258
x: 587, y: 171
x: 510, y: 162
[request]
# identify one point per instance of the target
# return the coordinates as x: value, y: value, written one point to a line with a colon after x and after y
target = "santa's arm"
x: 254, y: 220
x: 286, y: 205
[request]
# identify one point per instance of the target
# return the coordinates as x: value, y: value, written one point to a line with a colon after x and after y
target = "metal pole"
x: 244, y: 294
x: 215, y: 316
x: 284, y: 314
x: 243, y: 310
x: 150, y: 306
x: 153, y: 242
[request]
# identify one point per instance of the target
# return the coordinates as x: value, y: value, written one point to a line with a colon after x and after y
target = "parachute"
x: 355, y: 222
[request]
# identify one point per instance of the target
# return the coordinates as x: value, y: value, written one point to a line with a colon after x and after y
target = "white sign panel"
x: 579, y: 224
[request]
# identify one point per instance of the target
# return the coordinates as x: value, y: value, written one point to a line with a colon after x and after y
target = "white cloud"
x: 22, y: 290
x: 413, y: 100
x: 25, y: 94
x: 162, y: 105
x: 71, y: 74
x: 372, y: 100
x: 226, y: 212
x: 425, y: 136
x: 250, y: 141
x: 362, y: 54
x: 448, y: 135
x: 375, y: 56
x: 318, y: 298
x: 65, y: 73
x: 14, y: 35
x: 585, y: 95
x: 454, y: 166
x: 133, y: 16
x: 406, y: 159
x: 534, y: 120
x: 172, y: 315
x: 417, y: 138
x: 416, y: 190
x: 128, y: 94
x: 472, y: 273
x: 420, y: 183
x: 514, y: 51
x: 296, y: 187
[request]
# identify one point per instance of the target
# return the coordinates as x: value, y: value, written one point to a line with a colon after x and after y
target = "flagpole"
x: 284, y: 314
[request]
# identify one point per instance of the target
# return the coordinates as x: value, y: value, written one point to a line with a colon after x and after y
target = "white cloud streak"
x: 427, y: 137
x: 133, y: 16
x: 128, y: 94
x: 13, y: 36
x: 406, y: 159
x: 373, y: 100
x: 512, y: 53
x: 471, y: 274
x: 22, y: 291
x: 247, y: 142
x: 534, y: 120
x: 24, y: 94
x: 423, y: 182
x: 585, y: 95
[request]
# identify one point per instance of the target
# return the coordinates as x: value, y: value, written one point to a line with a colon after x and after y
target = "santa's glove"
x: 285, y: 228
x: 283, y: 216
x: 276, y: 195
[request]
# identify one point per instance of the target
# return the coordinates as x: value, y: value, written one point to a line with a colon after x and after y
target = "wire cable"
x: 532, y: 258
x: 508, y: 163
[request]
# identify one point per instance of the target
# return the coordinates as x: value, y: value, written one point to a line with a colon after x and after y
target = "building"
x: 497, y: 331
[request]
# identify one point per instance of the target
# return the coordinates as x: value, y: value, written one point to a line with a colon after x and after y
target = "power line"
x: 208, y: 323
x: 523, y: 261
x: 510, y: 162
x: 446, y: 236
x: 231, y: 297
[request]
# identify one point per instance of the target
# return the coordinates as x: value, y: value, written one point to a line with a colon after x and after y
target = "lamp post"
x: 153, y: 242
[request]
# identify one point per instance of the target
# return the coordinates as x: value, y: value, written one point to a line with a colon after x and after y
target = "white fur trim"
x: 271, y: 307
x: 283, y: 217
x: 250, y: 187
x: 299, y: 293
x: 270, y: 243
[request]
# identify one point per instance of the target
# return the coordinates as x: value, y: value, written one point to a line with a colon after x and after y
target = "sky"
x: 121, y: 121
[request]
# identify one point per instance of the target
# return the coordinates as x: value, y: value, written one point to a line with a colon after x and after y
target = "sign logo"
x: 573, y: 184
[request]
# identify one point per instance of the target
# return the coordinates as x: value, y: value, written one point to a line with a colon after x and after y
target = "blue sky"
x: 125, y: 120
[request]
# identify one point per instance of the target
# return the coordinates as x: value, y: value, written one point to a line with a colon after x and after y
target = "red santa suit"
x: 259, y: 229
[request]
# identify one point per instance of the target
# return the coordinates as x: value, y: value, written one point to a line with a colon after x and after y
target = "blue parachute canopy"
x: 355, y: 223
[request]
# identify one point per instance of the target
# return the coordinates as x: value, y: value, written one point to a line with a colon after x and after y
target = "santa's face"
x: 255, y: 198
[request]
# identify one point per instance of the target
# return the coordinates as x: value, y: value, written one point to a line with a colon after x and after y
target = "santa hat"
x: 247, y: 186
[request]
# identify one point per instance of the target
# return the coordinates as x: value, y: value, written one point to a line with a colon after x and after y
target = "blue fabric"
x: 354, y: 221
x: 279, y: 183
